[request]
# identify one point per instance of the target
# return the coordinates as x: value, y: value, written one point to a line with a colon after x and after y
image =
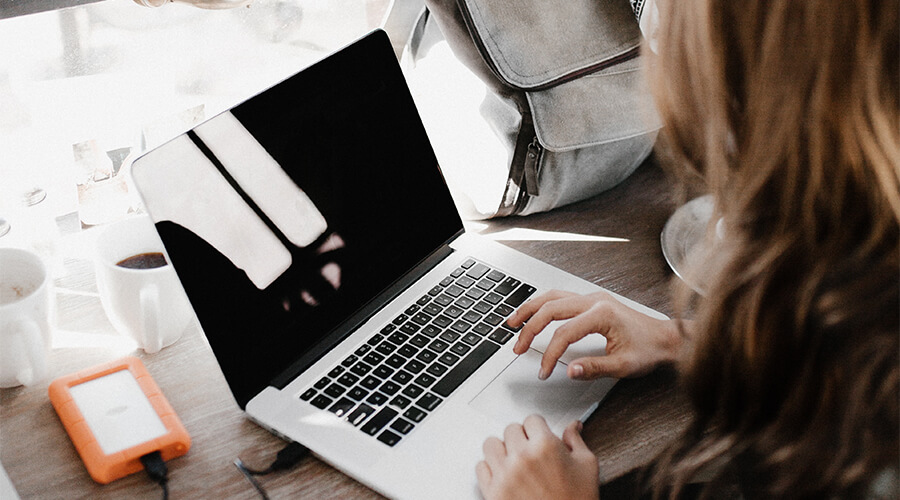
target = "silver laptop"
x: 329, y: 269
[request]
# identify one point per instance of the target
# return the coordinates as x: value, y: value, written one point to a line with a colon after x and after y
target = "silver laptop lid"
x: 287, y: 217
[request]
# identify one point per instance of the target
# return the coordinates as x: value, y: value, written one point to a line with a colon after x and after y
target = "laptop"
x: 346, y: 305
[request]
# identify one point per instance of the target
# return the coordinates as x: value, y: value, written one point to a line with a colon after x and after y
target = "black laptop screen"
x: 295, y: 209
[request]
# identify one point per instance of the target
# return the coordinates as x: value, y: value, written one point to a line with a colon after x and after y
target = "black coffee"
x: 143, y: 261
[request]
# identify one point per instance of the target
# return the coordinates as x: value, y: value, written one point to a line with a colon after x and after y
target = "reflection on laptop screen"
x: 295, y: 209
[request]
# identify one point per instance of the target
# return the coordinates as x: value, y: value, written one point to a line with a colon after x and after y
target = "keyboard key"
x: 390, y: 388
x: 426, y: 356
x: 453, y: 311
x: 448, y: 358
x: 458, y: 272
x: 408, y: 351
x: 413, y: 391
x: 349, y: 361
x: 460, y: 349
x: 423, y: 300
x: 402, y: 377
x: 443, y: 300
x: 461, y: 326
x: 321, y: 401
x: 388, y: 329
x: 375, y: 339
x: 437, y: 369
x: 361, y: 413
x: 508, y: 285
x: 493, y: 298
x: 464, y: 302
x: 433, y: 309
x: 409, y: 328
x: 464, y: 369
x: 495, y: 276
x: 306, y: 396
x: 414, y: 414
x: 395, y: 361
x: 501, y: 335
x: 442, y: 321
x: 383, y: 371
x: 482, y: 329
x: 334, y: 390
x: 370, y: 382
x: 342, y: 407
x: 399, y: 320
x: 413, y: 309
x: 465, y: 281
x: 362, y: 349
x: 483, y: 307
x: 477, y: 271
x: 378, y: 421
x: 400, y: 402
x: 467, y: 264
x: 422, y: 319
x: 485, y: 284
x: 472, y: 317
x: 386, y: 348
x: 348, y: 379
x: 429, y: 401
x: 373, y: 358
x: 493, y: 319
x: 414, y: 366
x: 357, y: 393
x: 419, y: 341
x: 361, y: 369
x: 402, y: 426
x: 431, y: 331
x: 425, y: 380
x: 471, y: 338
x: 475, y: 293
x: 389, y: 438
x: 519, y: 296
x: 454, y: 291
x: 436, y: 290
x: 438, y: 346
x: 504, y: 310
x: 322, y: 383
x: 336, y: 371
x: 377, y: 399
x: 398, y: 338
x: 449, y: 336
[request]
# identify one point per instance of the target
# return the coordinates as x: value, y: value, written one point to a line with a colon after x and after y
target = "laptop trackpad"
x: 517, y: 392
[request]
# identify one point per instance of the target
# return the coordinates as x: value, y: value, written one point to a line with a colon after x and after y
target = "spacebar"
x: 466, y: 367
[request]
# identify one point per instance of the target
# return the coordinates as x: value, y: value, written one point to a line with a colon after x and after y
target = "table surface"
x: 636, y: 420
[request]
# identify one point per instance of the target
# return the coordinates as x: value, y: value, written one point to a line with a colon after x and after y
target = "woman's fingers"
x: 540, y: 312
x: 596, y: 318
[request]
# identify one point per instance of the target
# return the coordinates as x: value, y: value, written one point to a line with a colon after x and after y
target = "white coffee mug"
x: 25, y: 312
x: 147, y: 304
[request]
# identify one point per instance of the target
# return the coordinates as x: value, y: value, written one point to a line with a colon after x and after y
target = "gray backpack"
x: 565, y: 91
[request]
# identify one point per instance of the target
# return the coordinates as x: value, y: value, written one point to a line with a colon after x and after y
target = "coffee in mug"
x: 140, y: 292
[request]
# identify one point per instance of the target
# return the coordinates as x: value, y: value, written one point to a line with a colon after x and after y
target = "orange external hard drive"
x: 115, y: 414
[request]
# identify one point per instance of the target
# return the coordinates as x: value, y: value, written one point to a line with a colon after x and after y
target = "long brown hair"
x: 789, y: 112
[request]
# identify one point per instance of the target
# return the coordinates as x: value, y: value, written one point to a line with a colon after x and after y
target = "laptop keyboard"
x: 401, y: 374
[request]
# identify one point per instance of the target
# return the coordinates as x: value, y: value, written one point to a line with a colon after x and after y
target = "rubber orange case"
x: 105, y: 468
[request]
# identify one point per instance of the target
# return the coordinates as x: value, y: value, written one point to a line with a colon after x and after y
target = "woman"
x: 789, y: 112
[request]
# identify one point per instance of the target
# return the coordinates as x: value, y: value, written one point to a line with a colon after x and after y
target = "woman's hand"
x: 531, y: 462
x: 636, y: 344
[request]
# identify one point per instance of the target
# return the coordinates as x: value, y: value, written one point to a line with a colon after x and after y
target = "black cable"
x: 285, y: 459
x: 157, y: 470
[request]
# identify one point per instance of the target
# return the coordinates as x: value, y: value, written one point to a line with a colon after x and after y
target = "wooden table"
x: 634, y: 422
